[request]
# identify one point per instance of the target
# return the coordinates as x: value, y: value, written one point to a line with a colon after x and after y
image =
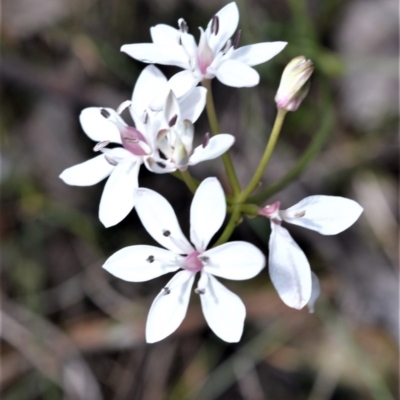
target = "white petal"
x: 259, y: 53
x: 171, y: 107
x: 207, y: 212
x: 234, y: 260
x: 193, y: 104
x: 168, y: 310
x: 182, y: 83
x: 165, y: 35
x: 327, y: 215
x: 237, y: 74
x: 118, y: 197
x: 141, y: 263
x: 149, y: 85
x: 189, y: 45
x: 223, y: 310
x: 158, y: 217
x: 97, y: 127
x: 288, y: 268
x: 157, y: 54
x: 228, y: 21
x: 87, y: 173
x: 315, y: 292
x: 216, y: 146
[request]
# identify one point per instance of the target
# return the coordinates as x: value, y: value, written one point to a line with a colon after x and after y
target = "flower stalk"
x: 213, y: 121
x: 241, y: 198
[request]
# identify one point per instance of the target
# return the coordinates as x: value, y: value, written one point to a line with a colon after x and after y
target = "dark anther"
x: 100, y: 145
x: 204, y: 259
x: 160, y: 164
x: 199, y: 291
x: 150, y: 259
x: 183, y: 26
x: 237, y: 39
x: 227, y: 46
x: 111, y: 160
x: 206, y: 139
x: 166, y: 233
x: 172, y: 121
x: 215, y: 25
x: 145, y: 117
x: 105, y: 113
x: 166, y: 290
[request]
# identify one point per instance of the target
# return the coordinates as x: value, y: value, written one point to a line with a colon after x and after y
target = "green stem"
x: 191, y: 183
x: 242, y: 196
x: 230, y: 227
x: 212, y: 118
x: 280, y: 117
x: 248, y: 209
x: 314, y: 147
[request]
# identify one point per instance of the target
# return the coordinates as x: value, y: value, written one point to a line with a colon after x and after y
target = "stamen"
x: 183, y: 26
x: 166, y: 290
x: 150, y: 259
x: 161, y: 164
x: 101, y: 145
x: 166, y: 233
x: 227, y: 46
x: 105, y: 113
x: 199, y: 291
x: 204, y: 259
x: 206, y: 139
x: 173, y: 120
x: 237, y: 39
x: 145, y: 117
x: 215, y: 25
x: 300, y: 214
x: 110, y: 160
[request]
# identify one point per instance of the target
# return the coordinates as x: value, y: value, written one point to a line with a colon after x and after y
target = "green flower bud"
x: 294, y: 84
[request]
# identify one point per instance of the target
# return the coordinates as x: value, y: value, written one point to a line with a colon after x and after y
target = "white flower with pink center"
x: 288, y: 266
x: 216, y: 55
x: 224, y: 311
x: 139, y: 144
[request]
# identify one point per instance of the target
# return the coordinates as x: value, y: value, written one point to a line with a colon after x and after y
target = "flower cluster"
x: 161, y: 135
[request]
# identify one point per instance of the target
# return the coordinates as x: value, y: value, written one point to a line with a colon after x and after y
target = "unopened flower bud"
x: 294, y: 84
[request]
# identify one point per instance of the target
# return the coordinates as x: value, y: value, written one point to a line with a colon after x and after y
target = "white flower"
x: 288, y: 266
x: 223, y: 310
x: 216, y: 55
x: 122, y: 164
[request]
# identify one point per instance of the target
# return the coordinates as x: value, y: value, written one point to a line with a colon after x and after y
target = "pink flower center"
x: 192, y: 262
x: 270, y: 211
x: 205, y: 55
x: 133, y: 141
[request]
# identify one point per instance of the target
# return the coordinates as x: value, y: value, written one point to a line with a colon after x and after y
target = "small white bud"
x: 294, y: 84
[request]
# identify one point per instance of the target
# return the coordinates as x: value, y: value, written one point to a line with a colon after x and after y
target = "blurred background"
x: 72, y: 331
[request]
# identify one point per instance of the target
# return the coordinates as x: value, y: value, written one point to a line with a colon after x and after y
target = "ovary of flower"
x: 216, y: 55
x: 289, y: 268
x: 122, y: 164
x: 223, y: 310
